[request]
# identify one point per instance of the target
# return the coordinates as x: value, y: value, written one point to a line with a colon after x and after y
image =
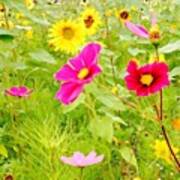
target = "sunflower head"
x: 123, y: 15
x: 66, y: 36
x: 90, y: 18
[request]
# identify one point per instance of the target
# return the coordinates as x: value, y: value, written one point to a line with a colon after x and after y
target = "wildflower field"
x: 89, y: 90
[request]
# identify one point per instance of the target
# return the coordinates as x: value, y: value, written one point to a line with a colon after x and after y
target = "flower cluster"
x: 69, y: 35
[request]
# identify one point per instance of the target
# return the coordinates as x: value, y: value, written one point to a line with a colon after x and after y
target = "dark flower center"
x: 8, y: 177
x: 124, y: 15
x: 89, y: 21
x: 68, y: 33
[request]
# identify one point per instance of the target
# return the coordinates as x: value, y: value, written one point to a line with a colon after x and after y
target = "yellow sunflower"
x: 67, y: 36
x: 90, y: 18
x: 123, y: 15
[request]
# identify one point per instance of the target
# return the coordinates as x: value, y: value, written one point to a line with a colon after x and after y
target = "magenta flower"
x: 153, y: 34
x: 80, y: 160
x: 147, y: 79
x: 138, y: 30
x: 20, y: 91
x: 78, y: 72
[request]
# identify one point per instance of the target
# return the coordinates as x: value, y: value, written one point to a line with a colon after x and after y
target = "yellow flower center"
x: 89, y: 21
x: 154, y: 34
x: 83, y: 73
x: 124, y: 15
x: 68, y: 33
x: 146, y: 79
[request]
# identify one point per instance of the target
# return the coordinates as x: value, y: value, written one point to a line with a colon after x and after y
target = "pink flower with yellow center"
x: 153, y: 34
x: 21, y: 91
x: 147, y: 79
x: 80, y: 160
x: 78, y: 72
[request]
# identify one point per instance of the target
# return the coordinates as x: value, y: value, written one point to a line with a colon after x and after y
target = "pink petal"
x: 90, y: 54
x: 68, y: 92
x: 66, y: 73
x: 137, y: 29
x: 90, y: 158
x: 79, y: 159
x: 67, y: 160
x: 142, y: 91
x: 14, y: 91
x: 77, y: 62
x: 132, y: 67
x: 98, y: 159
x: 153, y: 19
x: 95, y: 69
x: 131, y: 82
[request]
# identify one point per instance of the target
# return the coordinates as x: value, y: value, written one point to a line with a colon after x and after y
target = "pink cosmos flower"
x: 147, y: 79
x: 153, y: 34
x: 78, y: 72
x: 80, y: 160
x: 20, y: 91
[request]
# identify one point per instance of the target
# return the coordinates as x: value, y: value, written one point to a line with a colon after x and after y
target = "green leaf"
x: 42, y: 55
x: 175, y: 72
x: 116, y: 119
x: 6, y: 35
x: 171, y: 47
x: 3, y: 151
x: 74, y: 105
x: 110, y: 101
x: 128, y: 155
x: 135, y: 51
x: 102, y: 127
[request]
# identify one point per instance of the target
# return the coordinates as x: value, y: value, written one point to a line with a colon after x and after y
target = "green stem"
x: 165, y: 135
x: 81, y: 174
x: 160, y: 117
x: 113, y: 70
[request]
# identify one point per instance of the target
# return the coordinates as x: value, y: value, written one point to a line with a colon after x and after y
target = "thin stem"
x: 113, y: 70
x: 157, y: 52
x: 160, y: 116
x: 81, y: 174
x: 169, y: 146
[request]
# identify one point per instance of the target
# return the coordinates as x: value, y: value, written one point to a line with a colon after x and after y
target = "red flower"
x: 147, y: 79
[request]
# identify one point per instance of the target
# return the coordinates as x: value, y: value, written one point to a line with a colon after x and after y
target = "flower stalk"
x: 160, y: 117
x: 81, y: 173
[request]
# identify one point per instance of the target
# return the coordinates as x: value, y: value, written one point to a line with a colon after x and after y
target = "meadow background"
x: 107, y: 117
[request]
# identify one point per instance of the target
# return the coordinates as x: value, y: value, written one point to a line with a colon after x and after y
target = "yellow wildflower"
x: 66, y: 36
x: 162, y: 151
x: 90, y: 18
